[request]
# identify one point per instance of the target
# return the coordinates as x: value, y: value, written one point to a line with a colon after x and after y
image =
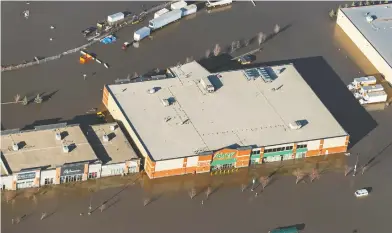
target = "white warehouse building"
x: 370, y: 28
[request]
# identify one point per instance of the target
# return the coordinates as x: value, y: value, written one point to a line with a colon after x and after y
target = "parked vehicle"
x: 125, y: 45
x: 178, y: 5
x: 165, y: 19
x: 371, y: 88
x: 115, y: 18
x: 245, y: 60
x: 374, y: 97
x: 88, y: 31
x: 218, y: 3
x: 188, y: 10
x: 137, y: 19
x: 141, y: 33
x: 285, y: 230
x: 160, y: 12
x: 361, y: 193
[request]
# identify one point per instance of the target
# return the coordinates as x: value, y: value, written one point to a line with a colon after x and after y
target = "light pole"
x: 355, y: 167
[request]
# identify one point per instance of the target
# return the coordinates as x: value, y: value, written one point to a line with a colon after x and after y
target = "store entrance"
x: 223, y: 167
x: 68, y: 179
x: 24, y: 184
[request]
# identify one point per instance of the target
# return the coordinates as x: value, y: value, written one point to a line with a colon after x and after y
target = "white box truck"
x: 371, y: 88
x: 165, y: 19
x: 115, y: 18
x: 188, y: 10
x: 374, y: 97
x: 178, y: 5
x: 218, y: 3
x: 160, y: 12
x: 141, y: 33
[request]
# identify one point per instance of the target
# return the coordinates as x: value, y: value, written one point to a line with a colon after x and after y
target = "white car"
x: 361, y: 193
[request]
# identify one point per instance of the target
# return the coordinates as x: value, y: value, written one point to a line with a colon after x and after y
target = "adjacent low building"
x: 370, y: 28
x: 60, y: 153
x: 195, y: 121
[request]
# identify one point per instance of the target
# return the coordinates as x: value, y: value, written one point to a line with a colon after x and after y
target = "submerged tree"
x: 38, y: 99
x: 332, y: 13
x: 277, y: 29
x: 192, y: 193
x: 299, y: 174
x: 347, y: 170
x: 217, y: 50
x: 264, y: 181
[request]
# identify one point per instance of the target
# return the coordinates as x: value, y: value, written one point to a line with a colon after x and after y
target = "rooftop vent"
x: 105, y: 138
x: 152, y: 90
x: 113, y: 127
x: 58, y: 136
x: 15, y: 147
x: 370, y: 18
x: 65, y: 149
x: 295, y: 125
x: 165, y: 102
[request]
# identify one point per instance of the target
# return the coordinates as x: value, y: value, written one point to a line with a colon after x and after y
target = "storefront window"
x: 48, y: 181
x: 92, y: 175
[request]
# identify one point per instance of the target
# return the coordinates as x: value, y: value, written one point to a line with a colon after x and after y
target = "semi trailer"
x: 165, y: 19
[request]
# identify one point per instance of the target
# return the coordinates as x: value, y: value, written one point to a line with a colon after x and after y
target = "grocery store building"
x: 370, y: 29
x: 250, y: 116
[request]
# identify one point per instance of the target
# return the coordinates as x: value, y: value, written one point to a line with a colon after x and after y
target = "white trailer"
x: 371, y: 88
x: 178, y: 5
x: 141, y: 33
x: 374, y: 97
x: 160, y: 12
x: 165, y: 19
x: 188, y: 10
x: 364, y: 81
x: 218, y: 3
x: 115, y: 18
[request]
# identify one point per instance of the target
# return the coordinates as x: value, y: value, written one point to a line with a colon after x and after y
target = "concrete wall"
x: 6, y: 182
x: 312, y: 145
x: 192, y: 161
x: 334, y: 142
x: 117, y: 114
x: 48, y: 174
x: 95, y: 168
x: 366, y: 48
x: 169, y: 164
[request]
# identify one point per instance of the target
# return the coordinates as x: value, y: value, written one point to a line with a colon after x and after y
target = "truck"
x: 160, y: 12
x: 141, y: 33
x: 210, y: 4
x: 165, y: 19
x: 178, y: 5
x: 115, y: 18
x: 188, y: 10
x: 371, y: 88
x: 374, y: 97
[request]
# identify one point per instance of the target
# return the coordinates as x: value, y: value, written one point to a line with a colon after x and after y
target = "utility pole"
x: 355, y: 167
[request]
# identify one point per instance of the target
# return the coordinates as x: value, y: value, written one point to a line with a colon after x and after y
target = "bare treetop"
x: 261, y: 38
x: 217, y: 50
x: 277, y: 29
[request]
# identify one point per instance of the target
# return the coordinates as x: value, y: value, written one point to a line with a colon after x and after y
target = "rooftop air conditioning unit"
x: 295, y: 125
x: 152, y: 90
x: 58, y: 136
x: 165, y: 102
x: 65, y: 149
x: 15, y: 147
x: 105, y: 138
x: 113, y: 127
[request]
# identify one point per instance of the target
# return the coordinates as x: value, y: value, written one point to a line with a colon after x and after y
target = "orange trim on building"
x: 57, y: 178
x: 105, y: 96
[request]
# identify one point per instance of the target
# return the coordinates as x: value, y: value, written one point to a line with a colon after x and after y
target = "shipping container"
x: 160, y: 12
x: 371, y: 88
x: 188, y: 10
x: 218, y: 3
x: 178, y: 5
x: 141, y: 33
x: 115, y: 18
x: 165, y: 19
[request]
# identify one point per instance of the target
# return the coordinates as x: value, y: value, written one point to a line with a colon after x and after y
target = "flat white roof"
x: 240, y: 112
x: 116, y: 150
x: 378, y: 32
x: 41, y: 149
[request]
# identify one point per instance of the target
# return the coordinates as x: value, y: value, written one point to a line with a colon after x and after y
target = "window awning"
x: 223, y: 162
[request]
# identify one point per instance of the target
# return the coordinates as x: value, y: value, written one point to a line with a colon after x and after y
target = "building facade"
x: 368, y: 30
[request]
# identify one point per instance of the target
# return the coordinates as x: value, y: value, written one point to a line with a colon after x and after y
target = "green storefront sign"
x: 222, y: 156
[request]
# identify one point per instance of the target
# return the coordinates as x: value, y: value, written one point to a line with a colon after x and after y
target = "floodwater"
x: 325, y: 205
